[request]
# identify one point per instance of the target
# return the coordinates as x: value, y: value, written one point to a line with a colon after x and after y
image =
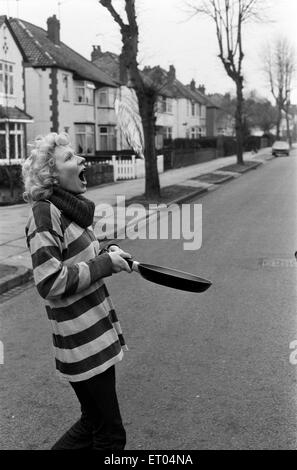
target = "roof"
x: 40, y: 51
x: 169, y: 85
x: 157, y: 77
x: 203, y: 98
x: 4, y: 19
x: 110, y: 62
x: 14, y: 114
x: 173, y: 87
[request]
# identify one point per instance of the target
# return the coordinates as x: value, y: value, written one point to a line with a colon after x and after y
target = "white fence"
x: 132, y: 169
x: 12, y: 161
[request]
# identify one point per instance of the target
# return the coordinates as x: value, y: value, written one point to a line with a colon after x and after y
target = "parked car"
x: 280, y: 147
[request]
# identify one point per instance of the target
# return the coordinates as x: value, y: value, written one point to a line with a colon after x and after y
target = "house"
x: 108, y: 62
x: 165, y: 107
x: 13, y: 113
x: 207, y: 110
x: 224, y: 118
x: 64, y: 91
x: 181, y: 110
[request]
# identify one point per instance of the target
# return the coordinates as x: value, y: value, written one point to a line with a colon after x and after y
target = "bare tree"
x: 259, y: 112
x: 280, y: 68
x: 146, y: 93
x: 229, y: 17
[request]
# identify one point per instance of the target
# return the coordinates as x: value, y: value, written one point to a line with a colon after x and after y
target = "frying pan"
x: 169, y: 277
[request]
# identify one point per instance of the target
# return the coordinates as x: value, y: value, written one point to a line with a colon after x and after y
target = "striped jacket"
x: 68, y: 273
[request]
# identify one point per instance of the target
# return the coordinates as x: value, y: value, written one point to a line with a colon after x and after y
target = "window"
x: 106, y: 98
x: 196, y: 132
x: 169, y: 105
x: 167, y: 132
x: 193, y: 108
x: 84, y: 92
x: 6, y: 78
x: 85, y: 139
x: 165, y: 105
x: 12, y: 148
x: 103, y: 98
x: 65, y: 87
x: 107, y: 138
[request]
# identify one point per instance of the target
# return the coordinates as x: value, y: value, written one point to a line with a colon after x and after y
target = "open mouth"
x: 82, y: 175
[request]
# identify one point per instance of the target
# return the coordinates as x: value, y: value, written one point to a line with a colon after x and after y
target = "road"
x: 203, y: 371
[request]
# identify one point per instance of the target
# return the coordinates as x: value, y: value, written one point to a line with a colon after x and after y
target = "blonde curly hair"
x: 38, y: 170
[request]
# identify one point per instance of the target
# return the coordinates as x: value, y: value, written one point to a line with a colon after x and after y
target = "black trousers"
x: 100, y: 426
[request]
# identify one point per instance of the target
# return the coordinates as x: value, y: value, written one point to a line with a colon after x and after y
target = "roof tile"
x: 42, y: 52
x: 10, y: 113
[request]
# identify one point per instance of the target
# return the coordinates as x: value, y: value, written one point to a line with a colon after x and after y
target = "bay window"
x: 84, y: 92
x: 12, y: 145
x: 165, y: 105
x: 106, y: 98
x: 85, y: 139
x: 6, y: 78
x: 107, y: 138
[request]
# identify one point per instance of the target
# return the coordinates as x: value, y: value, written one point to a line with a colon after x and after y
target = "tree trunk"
x: 278, y: 122
x: 146, y: 102
x: 289, y: 138
x: 147, y: 113
x: 239, y: 122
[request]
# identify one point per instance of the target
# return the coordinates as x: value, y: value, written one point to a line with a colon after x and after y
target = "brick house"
x: 64, y: 91
x: 13, y: 115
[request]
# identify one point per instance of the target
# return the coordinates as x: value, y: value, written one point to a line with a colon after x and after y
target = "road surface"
x: 203, y: 371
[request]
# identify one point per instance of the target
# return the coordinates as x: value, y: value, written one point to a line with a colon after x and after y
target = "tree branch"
x: 109, y: 6
x: 131, y: 13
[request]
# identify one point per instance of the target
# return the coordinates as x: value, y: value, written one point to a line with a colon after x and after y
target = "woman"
x: 68, y: 269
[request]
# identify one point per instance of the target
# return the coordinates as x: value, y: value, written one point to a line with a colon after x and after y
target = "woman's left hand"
x: 117, y: 249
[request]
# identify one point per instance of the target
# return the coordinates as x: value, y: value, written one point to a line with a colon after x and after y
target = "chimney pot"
x: 193, y: 85
x: 53, y: 29
x: 96, y: 53
x: 171, y: 73
x: 201, y: 88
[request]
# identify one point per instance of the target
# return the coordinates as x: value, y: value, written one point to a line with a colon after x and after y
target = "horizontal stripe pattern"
x: 69, y: 274
x: 103, y: 362
x: 85, y: 351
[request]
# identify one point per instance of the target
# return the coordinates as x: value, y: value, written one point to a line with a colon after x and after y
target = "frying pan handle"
x: 132, y: 264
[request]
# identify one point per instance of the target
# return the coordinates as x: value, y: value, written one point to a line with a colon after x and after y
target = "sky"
x: 167, y: 36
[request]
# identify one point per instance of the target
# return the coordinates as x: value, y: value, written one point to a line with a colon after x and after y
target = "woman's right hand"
x: 118, y: 261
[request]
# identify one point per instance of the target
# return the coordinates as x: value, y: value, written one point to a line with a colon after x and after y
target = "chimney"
x: 193, y: 85
x: 96, y: 53
x: 53, y: 29
x: 171, y: 73
x: 201, y: 88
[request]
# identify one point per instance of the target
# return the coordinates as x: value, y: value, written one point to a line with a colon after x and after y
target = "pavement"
x: 15, y: 261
